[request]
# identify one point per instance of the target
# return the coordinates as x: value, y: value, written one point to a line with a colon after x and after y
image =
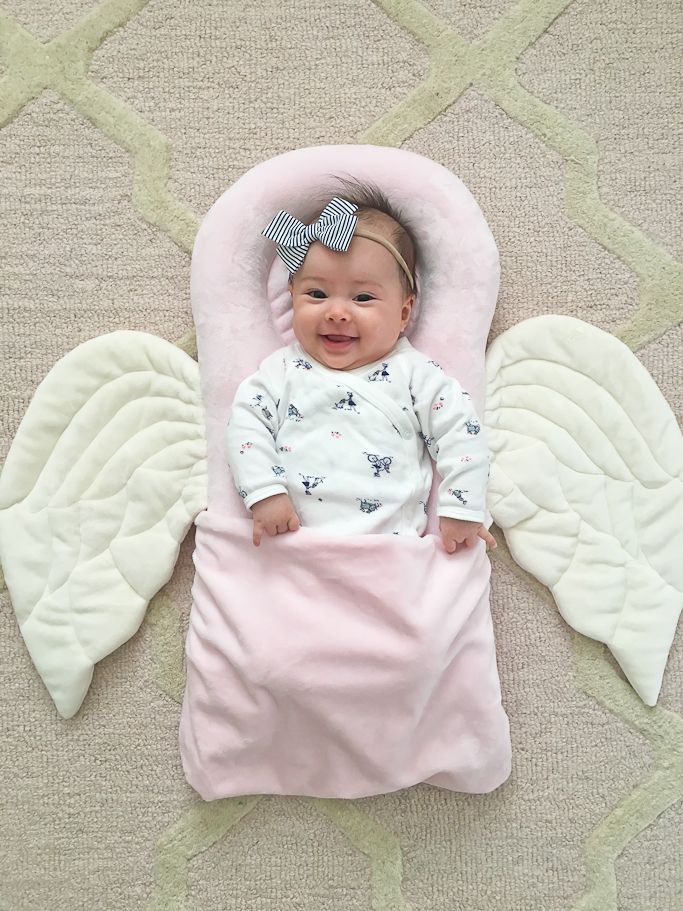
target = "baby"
x: 337, y: 430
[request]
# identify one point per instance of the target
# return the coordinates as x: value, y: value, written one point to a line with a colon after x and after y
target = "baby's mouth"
x: 338, y: 342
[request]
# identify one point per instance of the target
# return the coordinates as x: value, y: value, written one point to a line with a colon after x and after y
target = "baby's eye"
x: 363, y: 298
x: 316, y: 293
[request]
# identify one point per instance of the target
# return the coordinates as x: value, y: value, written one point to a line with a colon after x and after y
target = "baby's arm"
x: 455, y: 439
x: 252, y: 454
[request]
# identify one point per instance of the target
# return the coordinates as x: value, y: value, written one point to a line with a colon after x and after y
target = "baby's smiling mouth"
x: 340, y: 338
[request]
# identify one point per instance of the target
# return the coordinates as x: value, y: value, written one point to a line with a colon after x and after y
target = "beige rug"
x: 120, y: 123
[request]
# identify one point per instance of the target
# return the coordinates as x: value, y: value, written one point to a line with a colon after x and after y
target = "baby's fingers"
x: 258, y: 531
x: 449, y: 544
x: 488, y: 537
x: 285, y: 525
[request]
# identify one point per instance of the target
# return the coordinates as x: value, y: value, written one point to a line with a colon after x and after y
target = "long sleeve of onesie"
x: 250, y: 434
x: 455, y: 440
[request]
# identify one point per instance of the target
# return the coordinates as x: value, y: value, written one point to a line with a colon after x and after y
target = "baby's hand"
x: 460, y: 531
x: 275, y: 515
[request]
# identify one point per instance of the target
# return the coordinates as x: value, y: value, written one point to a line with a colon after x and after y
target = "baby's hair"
x: 370, y: 199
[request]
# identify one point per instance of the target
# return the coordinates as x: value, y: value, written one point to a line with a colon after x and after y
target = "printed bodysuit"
x: 354, y: 448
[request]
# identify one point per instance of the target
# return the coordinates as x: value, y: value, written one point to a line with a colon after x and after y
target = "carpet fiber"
x: 120, y: 123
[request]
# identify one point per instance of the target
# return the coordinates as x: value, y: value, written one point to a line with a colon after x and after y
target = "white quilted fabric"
x: 586, y: 482
x: 104, y: 477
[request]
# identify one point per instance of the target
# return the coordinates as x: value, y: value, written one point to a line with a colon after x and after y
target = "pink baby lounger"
x: 318, y: 664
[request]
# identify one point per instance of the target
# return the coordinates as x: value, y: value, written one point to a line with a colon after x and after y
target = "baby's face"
x: 349, y: 308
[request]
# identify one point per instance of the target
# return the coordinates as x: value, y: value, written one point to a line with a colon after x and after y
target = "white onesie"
x: 352, y: 447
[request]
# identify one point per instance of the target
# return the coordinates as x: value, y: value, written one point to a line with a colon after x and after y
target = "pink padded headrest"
x: 240, y: 302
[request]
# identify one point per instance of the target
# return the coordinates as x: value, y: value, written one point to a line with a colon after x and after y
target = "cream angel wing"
x: 587, y: 485
x: 103, y: 479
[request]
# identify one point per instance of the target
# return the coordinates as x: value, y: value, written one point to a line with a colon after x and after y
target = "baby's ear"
x: 407, y: 307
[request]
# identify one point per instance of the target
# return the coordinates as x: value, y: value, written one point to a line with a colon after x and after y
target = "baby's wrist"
x: 268, y: 501
x: 258, y: 496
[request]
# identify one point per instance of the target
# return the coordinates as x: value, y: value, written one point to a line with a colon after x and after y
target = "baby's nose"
x: 337, y: 309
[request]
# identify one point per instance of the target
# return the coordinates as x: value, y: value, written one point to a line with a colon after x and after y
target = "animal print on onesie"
x: 354, y: 448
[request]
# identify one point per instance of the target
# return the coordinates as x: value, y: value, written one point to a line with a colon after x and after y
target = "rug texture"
x: 120, y: 123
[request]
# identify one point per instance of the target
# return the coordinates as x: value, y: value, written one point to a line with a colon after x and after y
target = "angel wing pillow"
x: 587, y: 484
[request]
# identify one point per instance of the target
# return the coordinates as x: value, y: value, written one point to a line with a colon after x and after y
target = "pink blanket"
x: 318, y: 664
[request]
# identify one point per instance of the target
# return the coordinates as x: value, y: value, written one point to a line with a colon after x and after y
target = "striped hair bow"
x: 292, y: 237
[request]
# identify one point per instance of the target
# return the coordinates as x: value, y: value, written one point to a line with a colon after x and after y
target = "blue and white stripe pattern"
x: 292, y: 237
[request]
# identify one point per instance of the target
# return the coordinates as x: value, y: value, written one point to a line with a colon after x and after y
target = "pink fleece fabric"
x: 318, y: 664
